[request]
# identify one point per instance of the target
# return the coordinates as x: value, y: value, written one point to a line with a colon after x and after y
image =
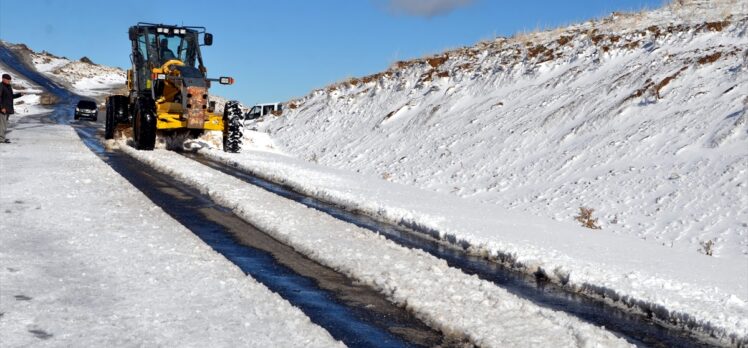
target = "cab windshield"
x: 175, y: 47
x: 155, y: 46
x: 159, y: 48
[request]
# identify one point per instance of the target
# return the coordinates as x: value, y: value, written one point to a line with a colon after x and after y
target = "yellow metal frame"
x: 169, y: 115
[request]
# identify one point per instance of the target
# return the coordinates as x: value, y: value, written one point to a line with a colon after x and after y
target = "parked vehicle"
x: 261, y: 110
x: 86, y: 109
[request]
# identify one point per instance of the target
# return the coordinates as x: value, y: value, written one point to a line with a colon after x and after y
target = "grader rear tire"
x: 144, y: 125
x: 109, y: 121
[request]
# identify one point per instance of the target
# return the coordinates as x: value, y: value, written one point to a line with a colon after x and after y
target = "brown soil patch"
x: 370, y: 78
x: 563, y: 40
x: 535, y: 51
x: 710, y: 58
x: 427, y: 76
x: 654, y: 30
x: 666, y: 81
x: 597, y: 38
x: 716, y: 26
x: 632, y: 45
x: 436, y: 62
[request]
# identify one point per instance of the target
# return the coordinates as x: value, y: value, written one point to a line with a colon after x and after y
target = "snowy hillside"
x: 641, y: 117
x: 84, y: 77
x: 30, y: 102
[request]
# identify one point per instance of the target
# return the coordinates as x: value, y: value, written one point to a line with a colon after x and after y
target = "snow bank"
x: 679, y: 287
x: 88, y: 260
x: 442, y: 296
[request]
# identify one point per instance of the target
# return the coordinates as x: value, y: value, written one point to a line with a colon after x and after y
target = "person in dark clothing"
x: 166, y: 53
x: 6, y: 106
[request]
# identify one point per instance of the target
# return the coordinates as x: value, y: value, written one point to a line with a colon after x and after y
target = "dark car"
x: 87, y: 109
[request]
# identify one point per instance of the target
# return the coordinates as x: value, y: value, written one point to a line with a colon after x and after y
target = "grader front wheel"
x: 232, y: 127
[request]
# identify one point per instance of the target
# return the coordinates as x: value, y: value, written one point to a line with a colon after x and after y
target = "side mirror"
x: 208, y: 39
x: 133, y: 33
x: 226, y: 80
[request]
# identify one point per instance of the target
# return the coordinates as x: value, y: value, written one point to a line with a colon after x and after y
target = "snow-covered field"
x: 641, y: 117
x: 87, y: 260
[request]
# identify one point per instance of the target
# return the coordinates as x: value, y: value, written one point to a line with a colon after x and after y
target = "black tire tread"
x: 144, y: 129
x: 232, y: 127
x: 113, y: 104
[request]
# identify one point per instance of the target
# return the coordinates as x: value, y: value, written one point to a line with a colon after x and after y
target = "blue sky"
x: 281, y: 49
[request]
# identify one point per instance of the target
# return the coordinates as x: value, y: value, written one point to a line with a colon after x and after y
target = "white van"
x: 261, y: 110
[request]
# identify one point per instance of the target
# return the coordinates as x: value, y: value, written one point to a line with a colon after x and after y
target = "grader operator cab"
x: 168, y: 89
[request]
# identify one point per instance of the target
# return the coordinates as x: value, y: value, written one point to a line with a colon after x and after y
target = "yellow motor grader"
x: 168, y: 89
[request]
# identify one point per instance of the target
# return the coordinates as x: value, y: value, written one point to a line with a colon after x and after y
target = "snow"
x: 88, y: 260
x: 45, y: 62
x: 639, y: 116
x: 28, y: 103
x: 98, y: 85
x: 85, y: 79
x: 442, y: 296
x: 628, y: 117
x: 687, y: 285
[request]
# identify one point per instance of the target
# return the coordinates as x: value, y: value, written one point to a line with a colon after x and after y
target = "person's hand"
x: 3, y: 110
